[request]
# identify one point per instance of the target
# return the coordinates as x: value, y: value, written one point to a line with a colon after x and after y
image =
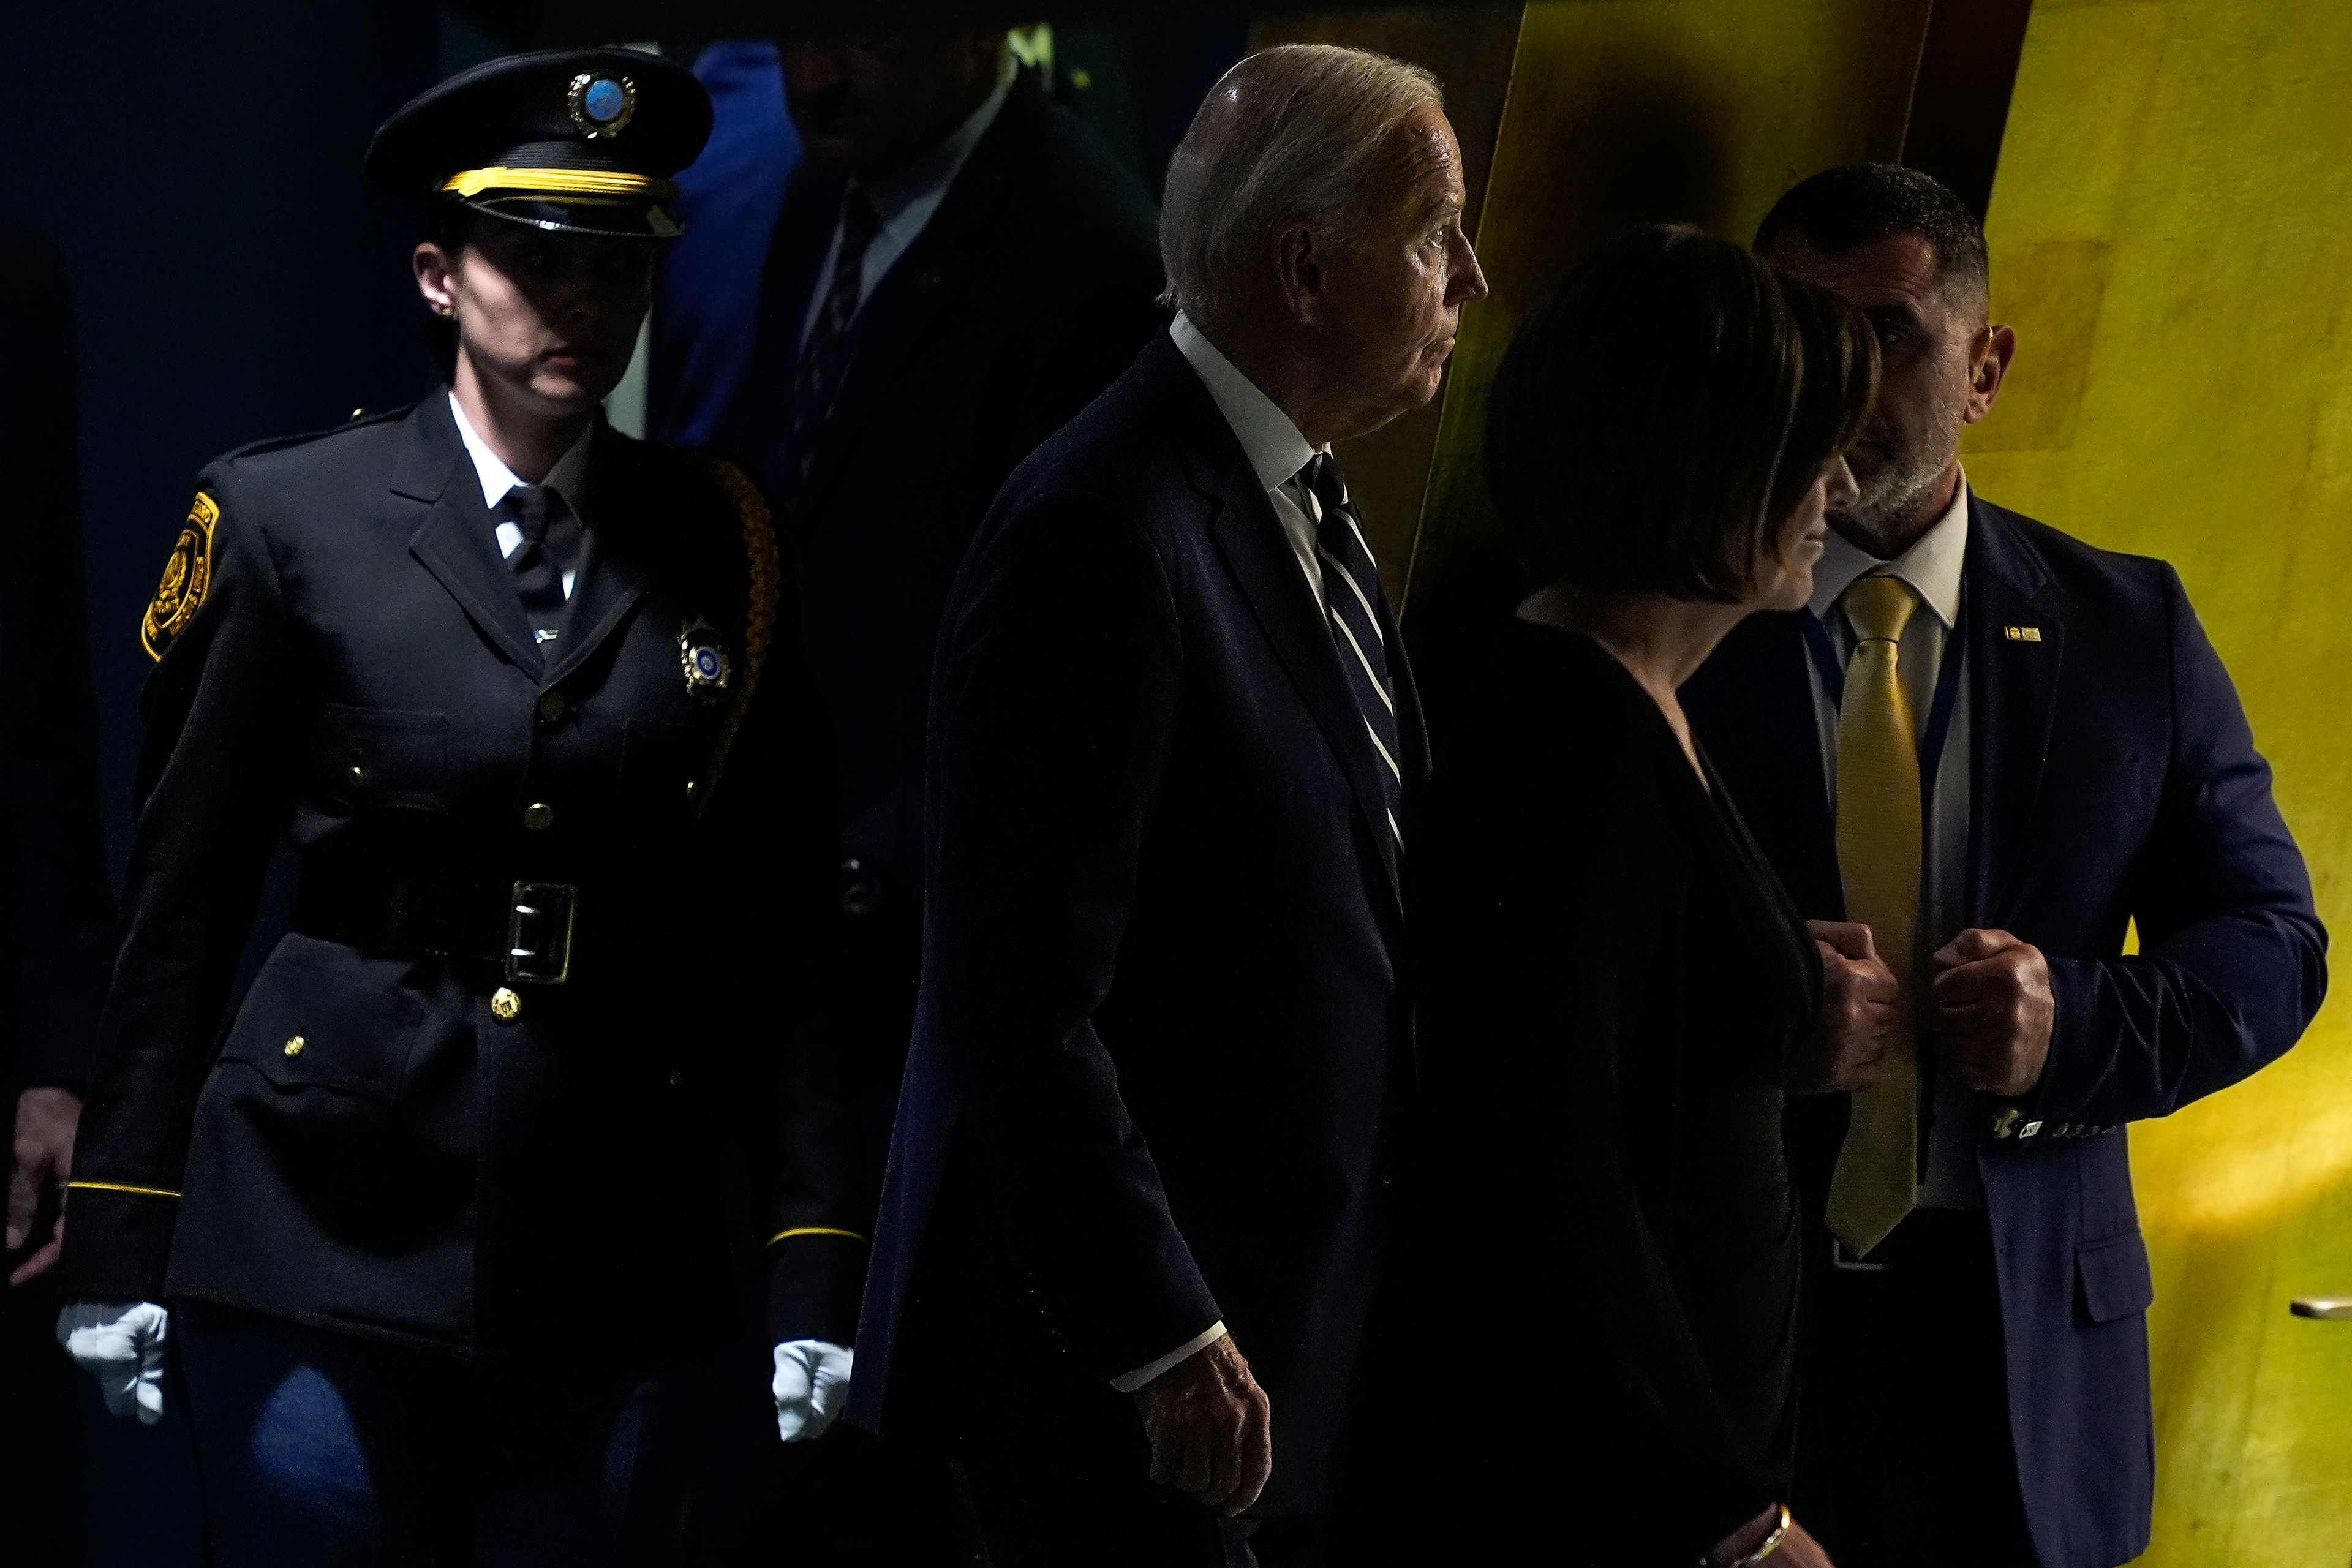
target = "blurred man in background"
x: 958, y: 265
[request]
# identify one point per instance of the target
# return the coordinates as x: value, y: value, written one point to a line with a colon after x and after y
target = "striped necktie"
x: 1352, y: 590
x: 1878, y: 848
x: 824, y: 356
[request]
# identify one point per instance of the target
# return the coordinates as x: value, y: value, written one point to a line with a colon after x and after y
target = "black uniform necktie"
x: 550, y: 544
x: 817, y: 374
x: 1352, y: 590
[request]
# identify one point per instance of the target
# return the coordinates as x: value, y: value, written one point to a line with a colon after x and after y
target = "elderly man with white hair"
x: 1144, y: 1180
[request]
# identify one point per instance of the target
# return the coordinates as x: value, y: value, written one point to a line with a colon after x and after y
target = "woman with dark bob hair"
x: 1622, y: 992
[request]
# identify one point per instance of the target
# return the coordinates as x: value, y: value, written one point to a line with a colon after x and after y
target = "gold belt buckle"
x: 540, y: 920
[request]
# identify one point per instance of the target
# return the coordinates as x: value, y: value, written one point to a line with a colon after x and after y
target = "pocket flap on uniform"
x: 2115, y: 1281
x: 310, y: 1020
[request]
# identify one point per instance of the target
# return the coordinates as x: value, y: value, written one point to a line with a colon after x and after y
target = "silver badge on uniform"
x: 704, y: 660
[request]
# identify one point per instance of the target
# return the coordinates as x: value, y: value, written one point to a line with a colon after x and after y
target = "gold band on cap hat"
x: 557, y: 182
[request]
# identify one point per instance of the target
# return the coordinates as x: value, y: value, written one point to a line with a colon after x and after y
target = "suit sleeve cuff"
x: 1128, y: 1382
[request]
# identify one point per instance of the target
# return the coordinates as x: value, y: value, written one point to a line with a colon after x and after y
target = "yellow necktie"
x: 1879, y: 846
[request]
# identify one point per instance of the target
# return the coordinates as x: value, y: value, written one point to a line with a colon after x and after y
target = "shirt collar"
x: 1275, y: 449
x: 926, y: 180
x: 1932, y: 565
x: 567, y: 479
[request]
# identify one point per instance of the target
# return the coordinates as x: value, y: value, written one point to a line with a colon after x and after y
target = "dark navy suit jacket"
x: 2114, y: 779
x: 1163, y: 1013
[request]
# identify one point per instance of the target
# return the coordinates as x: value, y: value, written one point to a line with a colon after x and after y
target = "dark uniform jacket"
x: 1165, y: 1017
x: 2115, y: 780
x: 401, y: 1131
x: 55, y: 928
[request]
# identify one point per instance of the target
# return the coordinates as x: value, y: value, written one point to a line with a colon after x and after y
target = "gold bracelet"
x: 1771, y: 1544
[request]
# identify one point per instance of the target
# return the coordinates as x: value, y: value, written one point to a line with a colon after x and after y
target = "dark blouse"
x: 1618, y: 982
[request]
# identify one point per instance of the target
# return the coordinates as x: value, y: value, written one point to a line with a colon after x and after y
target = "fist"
x: 1211, y: 1429
x: 1857, y: 1022
x: 1991, y: 1011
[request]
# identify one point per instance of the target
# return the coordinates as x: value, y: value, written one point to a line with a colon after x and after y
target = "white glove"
x: 811, y: 1385
x: 122, y: 1345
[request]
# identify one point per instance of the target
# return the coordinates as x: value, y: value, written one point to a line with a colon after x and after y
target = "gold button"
x: 505, y: 1005
x: 551, y: 707
x: 539, y: 816
x: 294, y: 1046
x: 678, y: 1077
x: 689, y: 788
x: 358, y: 773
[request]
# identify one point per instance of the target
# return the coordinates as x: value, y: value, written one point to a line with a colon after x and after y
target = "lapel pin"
x: 2022, y: 634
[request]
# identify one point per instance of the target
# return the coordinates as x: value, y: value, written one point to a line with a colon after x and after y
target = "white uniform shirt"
x: 563, y: 481
x: 1933, y: 567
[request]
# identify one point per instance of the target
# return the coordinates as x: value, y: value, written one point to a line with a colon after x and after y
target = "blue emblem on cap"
x: 602, y: 105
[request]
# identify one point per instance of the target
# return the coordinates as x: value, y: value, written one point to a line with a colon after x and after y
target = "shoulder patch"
x: 187, y: 577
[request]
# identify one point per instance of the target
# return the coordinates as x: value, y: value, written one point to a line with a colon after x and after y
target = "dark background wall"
x: 233, y: 277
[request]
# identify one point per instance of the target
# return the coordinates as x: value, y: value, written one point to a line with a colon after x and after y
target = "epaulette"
x: 357, y: 421
x: 765, y: 576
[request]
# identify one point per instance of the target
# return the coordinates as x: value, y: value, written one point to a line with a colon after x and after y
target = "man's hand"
x: 810, y: 1385
x: 1210, y: 1426
x: 1992, y: 1011
x: 122, y: 1345
x: 1858, y: 1001
x: 46, y: 1122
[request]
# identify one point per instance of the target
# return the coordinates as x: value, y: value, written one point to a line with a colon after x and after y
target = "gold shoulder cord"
x: 759, y: 623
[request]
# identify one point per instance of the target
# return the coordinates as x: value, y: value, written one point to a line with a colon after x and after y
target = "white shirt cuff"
x: 1193, y: 1346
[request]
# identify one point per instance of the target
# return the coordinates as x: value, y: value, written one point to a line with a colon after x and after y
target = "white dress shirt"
x: 1275, y: 449
x: 904, y: 201
x: 1932, y: 566
x: 563, y: 482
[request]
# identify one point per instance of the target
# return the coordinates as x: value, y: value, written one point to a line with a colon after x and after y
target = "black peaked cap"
x: 582, y: 141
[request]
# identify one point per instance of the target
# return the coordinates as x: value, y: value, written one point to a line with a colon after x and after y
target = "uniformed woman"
x: 446, y: 1219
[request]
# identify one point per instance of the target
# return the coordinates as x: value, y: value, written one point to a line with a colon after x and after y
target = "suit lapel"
x: 753, y: 419
x: 1250, y: 537
x: 2017, y: 643
x: 457, y: 541
x: 613, y: 569
x: 897, y: 319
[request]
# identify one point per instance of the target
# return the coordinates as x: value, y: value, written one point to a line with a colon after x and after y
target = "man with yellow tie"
x: 1981, y: 753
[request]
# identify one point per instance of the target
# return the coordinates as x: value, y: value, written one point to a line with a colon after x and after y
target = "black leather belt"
x: 525, y: 929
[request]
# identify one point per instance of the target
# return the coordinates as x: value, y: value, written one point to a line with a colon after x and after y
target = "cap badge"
x: 704, y: 660
x: 602, y: 105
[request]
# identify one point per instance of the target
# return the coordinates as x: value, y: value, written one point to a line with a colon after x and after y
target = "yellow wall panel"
x: 2169, y: 232
x: 1619, y: 110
